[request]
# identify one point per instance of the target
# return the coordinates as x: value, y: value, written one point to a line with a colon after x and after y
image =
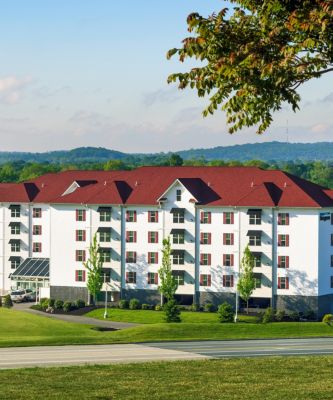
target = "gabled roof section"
x: 78, y: 184
x: 200, y: 190
x: 184, y: 183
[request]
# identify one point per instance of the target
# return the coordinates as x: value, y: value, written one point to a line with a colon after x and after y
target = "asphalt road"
x: 22, y: 357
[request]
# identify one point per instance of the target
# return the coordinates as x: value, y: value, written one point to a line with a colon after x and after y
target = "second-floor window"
x: 228, y: 239
x: 131, y: 256
x: 105, y: 255
x: 37, y: 247
x: 130, y: 277
x: 37, y: 230
x: 37, y: 212
x: 331, y: 239
x: 15, y: 262
x: 254, y: 240
x: 152, y: 237
x: 105, y: 236
x: 205, y: 238
x: 80, y: 275
x: 228, y: 260
x: 178, y: 237
x: 178, y: 258
x: 257, y: 259
x: 205, y: 259
x: 228, y: 281
x: 131, y: 236
x: 283, y: 240
x: 152, y: 257
x: 80, y: 255
x: 283, y: 283
x: 283, y: 218
x: 80, y: 215
x: 152, y: 278
x: 332, y: 260
x: 130, y: 216
x: 80, y: 235
x: 179, y: 277
x: 283, y: 261
x: 205, y: 280
x: 152, y: 216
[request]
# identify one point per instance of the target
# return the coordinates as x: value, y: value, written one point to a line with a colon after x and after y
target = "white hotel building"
x: 210, y: 214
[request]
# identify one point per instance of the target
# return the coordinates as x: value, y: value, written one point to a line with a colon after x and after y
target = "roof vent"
x: 104, y: 183
x: 43, y: 184
x: 209, y: 184
x: 252, y: 184
x: 136, y: 183
x: 285, y: 185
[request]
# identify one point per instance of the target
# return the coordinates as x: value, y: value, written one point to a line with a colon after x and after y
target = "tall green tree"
x: 168, y: 284
x: 255, y: 56
x: 94, y: 268
x: 246, y: 282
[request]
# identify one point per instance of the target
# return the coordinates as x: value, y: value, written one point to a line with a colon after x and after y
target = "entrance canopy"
x: 32, y: 268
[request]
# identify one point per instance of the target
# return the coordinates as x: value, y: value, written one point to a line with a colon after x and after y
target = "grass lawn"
x: 156, y: 317
x: 275, y: 378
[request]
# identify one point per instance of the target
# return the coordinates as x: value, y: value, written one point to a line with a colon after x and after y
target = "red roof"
x: 215, y: 186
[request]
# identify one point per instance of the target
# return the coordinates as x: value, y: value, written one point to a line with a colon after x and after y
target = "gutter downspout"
x: 273, y: 257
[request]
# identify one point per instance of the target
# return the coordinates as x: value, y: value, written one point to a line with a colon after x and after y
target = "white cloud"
x: 11, y: 89
x: 167, y: 95
x: 320, y: 128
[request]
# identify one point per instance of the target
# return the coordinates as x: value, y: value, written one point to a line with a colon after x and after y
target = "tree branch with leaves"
x: 256, y: 56
x: 94, y: 267
x: 246, y: 282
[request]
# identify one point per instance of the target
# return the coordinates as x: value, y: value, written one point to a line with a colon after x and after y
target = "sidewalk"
x: 75, y: 318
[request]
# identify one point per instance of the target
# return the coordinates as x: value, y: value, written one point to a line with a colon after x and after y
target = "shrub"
x: 328, y: 319
x: 37, y: 307
x: 195, y: 307
x: 58, y: 304
x: 68, y: 306
x: 268, y: 315
x: 44, y: 303
x: 7, y: 301
x: 209, y: 307
x: 145, y: 307
x: 172, y: 311
x: 134, y: 304
x: 51, y: 303
x: 279, y: 316
x: 310, y: 314
x: 123, y: 304
x: 225, y: 312
x: 80, y: 303
x: 158, y: 307
x: 260, y: 317
x: 294, y: 316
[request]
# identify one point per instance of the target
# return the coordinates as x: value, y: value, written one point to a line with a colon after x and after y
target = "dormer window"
x: 178, y: 195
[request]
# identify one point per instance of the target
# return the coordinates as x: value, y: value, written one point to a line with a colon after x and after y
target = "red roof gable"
x: 215, y: 186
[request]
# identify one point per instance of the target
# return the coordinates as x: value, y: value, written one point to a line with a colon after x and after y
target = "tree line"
x: 319, y: 172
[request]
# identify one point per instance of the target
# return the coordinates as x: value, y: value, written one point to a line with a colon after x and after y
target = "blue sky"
x: 93, y: 73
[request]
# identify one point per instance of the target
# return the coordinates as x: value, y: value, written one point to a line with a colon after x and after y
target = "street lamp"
x: 106, y: 299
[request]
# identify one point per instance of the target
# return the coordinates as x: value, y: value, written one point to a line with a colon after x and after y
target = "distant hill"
x: 270, y: 151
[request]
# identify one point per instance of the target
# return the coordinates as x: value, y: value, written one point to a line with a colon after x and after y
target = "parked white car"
x: 18, y: 296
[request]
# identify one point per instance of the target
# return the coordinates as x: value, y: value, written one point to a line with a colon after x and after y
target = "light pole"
x: 106, y: 299
x: 236, y: 313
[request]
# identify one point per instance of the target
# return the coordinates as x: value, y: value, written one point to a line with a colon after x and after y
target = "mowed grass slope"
x: 275, y: 378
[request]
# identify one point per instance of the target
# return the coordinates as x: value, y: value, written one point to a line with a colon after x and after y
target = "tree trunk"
x: 247, y: 306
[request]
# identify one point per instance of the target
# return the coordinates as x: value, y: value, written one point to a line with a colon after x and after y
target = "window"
x: 37, y: 247
x: 14, y: 263
x: 205, y: 259
x: 130, y: 277
x: 152, y: 216
x: 228, y: 239
x: 15, y: 229
x: 283, y: 261
x: 206, y: 217
x: 131, y: 237
x: 257, y: 279
x: 332, y: 219
x: 257, y: 259
x: 331, y: 239
x: 131, y: 256
x: 283, y: 240
x: 283, y: 282
x: 228, y: 218
x: 205, y: 280
x: 152, y: 237
x: 130, y: 216
x: 105, y: 255
x: 228, y: 281
x: 80, y: 255
x: 37, y: 230
x: 80, y: 275
x: 106, y: 275
x: 152, y: 257
x: 178, y: 238
x: 80, y: 235
x: 331, y: 282
x: 15, y: 247
x: 105, y: 236
x: 179, y: 277
x: 179, y: 195
x: 228, y: 260
x: 254, y: 240
x: 80, y: 215
x: 254, y: 217
x: 178, y: 217
x: 332, y: 260
x: 104, y: 214
x: 152, y: 278
x: 205, y: 238
x: 15, y: 211
x: 283, y: 218
x: 37, y: 213
x: 178, y: 258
